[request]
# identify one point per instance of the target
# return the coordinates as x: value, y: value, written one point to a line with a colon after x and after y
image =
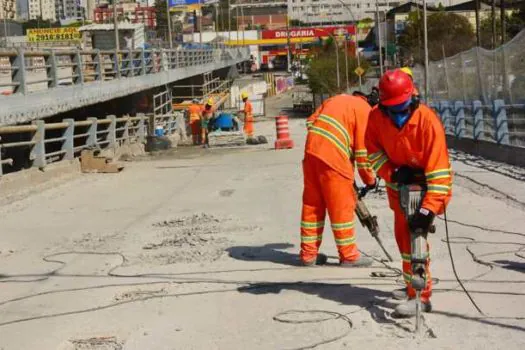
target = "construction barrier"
x: 283, y: 140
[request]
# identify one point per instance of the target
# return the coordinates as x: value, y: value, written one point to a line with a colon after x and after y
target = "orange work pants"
x: 404, y: 243
x: 248, y: 126
x: 195, y: 130
x: 327, y: 190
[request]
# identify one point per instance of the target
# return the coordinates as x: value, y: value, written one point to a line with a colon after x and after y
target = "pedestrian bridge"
x: 40, y: 84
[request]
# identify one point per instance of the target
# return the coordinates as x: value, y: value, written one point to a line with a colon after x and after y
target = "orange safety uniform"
x: 420, y: 144
x: 194, y: 113
x: 248, y: 118
x: 335, y: 140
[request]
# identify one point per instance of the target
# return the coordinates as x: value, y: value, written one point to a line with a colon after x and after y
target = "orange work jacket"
x: 420, y: 144
x: 194, y: 111
x: 248, y: 111
x: 336, y: 135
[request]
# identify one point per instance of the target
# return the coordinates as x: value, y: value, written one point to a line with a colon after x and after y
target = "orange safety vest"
x: 248, y: 111
x: 336, y: 135
x: 420, y: 144
x: 194, y: 111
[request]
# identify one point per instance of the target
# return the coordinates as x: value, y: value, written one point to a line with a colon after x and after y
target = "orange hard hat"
x: 395, y: 87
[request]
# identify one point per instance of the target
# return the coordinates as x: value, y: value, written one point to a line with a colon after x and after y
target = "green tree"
x: 322, y: 71
x: 446, y: 30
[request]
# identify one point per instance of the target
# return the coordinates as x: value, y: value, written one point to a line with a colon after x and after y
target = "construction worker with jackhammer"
x: 335, y: 141
x: 406, y: 145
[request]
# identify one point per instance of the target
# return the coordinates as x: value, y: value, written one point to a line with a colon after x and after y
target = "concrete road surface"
x: 197, y: 249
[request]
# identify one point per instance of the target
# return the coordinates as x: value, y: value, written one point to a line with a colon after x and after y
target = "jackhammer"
x: 410, y: 197
x: 368, y: 220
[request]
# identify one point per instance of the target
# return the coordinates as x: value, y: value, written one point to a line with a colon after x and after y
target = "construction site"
x: 192, y: 248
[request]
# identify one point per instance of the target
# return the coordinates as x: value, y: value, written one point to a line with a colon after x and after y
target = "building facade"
x: 336, y: 11
x: 126, y: 12
x: 8, y: 9
x: 44, y: 9
x: 70, y: 10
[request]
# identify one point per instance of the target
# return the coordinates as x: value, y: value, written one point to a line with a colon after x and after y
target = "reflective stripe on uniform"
x: 363, y: 165
x: 312, y: 224
x: 330, y: 137
x: 407, y: 277
x: 345, y: 241
x: 406, y: 257
x: 335, y: 123
x: 375, y: 156
x: 438, y: 174
x: 440, y: 189
x: 361, y: 153
x: 310, y: 239
x: 343, y: 226
x: 376, y: 165
x: 392, y: 186
x: 309, y: 124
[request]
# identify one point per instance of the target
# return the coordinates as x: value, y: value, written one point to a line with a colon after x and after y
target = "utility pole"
x: 168, y: 18
x: 378, y: 26
x: 478, y: 38
x: 200, y: 22
x: 503, y: 20
x: 115, y: 24
x: 288, y: 54
x: 229, y: 23
x: 243, y: 29
x: 493, y: 14
x: 425, y: 43
x: 346, y: 65
x: 337, y: 62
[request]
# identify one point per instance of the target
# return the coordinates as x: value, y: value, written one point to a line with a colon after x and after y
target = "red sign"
x: 308, y: 32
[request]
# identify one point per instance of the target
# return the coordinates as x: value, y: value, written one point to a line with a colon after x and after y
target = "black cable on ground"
x: 281, y: 317
x: 454, y: 267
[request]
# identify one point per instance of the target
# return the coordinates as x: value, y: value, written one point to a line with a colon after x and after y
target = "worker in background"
x: 406, y: 141
x: 194, y: 118
x: 248, y: 115
x: 408, y: 71
x: 207, y: 115
x: 335, y: 140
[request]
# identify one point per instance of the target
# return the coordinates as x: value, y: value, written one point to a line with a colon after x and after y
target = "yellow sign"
x: 53, y: 34
x: 359, y: 71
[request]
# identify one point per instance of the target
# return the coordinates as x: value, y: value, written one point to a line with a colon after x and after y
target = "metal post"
x: 243, y: 28
x: 141, y: 128
x: 117, y: 64
x: 51, y: 70
x: 477, y: 112
x: 459, y: 119
x: 288, y: 54
x: 501, y: 125
x: 229, y: 24
x: 68, y: 143
x: 78, y: 74
x: 463, y: 78
x: 379, y: 39
x: 478, y: 35
x: 425, y: 43
x: 168, y: 16
x: 337, y: 63
x: 446, y: 72
x: 98, y: 66
x: 200, y: 23
x: 115, y: 25
x: 112, y: 131
x: 503, y: 20
x: 125, y: 133
x: 143, y: 62
x: 346, y: 65
x: 18, y: 74
x: 493, y: 14
x: 92, y: 133
x: 38, y: 151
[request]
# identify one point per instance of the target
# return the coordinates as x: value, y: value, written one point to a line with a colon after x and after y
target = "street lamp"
x: 356, y: 23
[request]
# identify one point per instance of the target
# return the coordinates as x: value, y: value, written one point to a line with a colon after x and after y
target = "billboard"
x: 53, y: 34
x: 308, y: 32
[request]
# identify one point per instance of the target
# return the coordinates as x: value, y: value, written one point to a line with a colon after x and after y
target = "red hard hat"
x: 395, y: 87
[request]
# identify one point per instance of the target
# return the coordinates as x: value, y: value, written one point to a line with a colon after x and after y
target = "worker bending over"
x: 406, y: 145
x: 194, y: 117
x: 207, y: 115
x: 248, y: 115
x: 335, y: 140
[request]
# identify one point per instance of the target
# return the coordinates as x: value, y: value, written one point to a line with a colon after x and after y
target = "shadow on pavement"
x: 272, y: 252
x: 511, y: 265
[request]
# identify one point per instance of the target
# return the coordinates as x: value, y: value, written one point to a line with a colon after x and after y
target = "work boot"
x: 408, y: 308
x: 400, y: 294
x: 320, y: 260
x: 363, y: 261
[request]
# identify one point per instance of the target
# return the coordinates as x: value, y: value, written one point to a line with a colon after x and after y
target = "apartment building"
x: 8, y: 9
x: 42, y: 8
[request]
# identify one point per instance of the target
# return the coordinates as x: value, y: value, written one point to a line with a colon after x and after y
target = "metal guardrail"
x: 498, y: 122
x: 26, y: 71
x: 52, y: 142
